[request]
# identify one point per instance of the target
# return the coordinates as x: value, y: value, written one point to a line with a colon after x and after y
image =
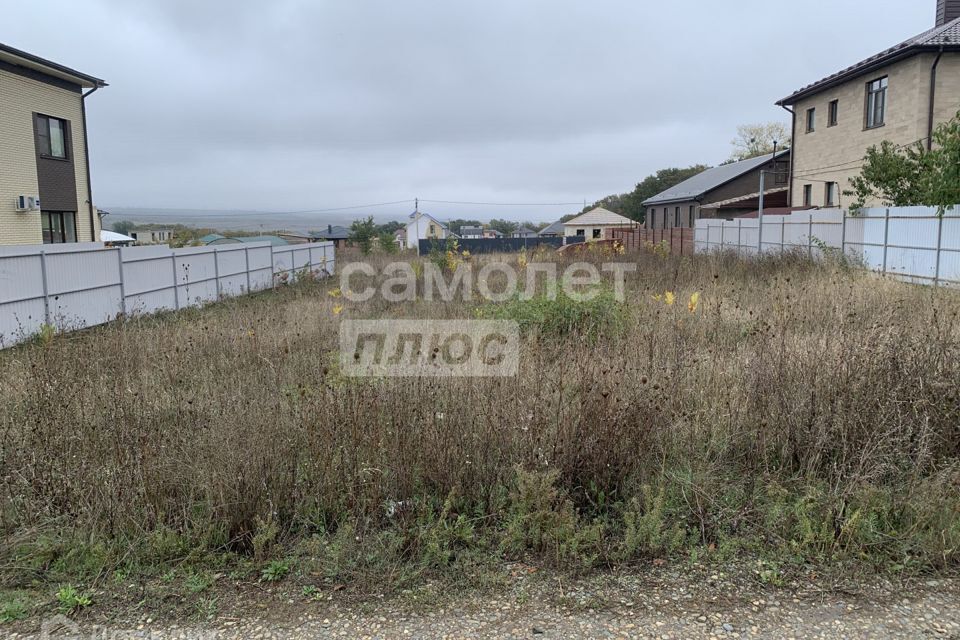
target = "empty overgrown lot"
x: 796, y: 413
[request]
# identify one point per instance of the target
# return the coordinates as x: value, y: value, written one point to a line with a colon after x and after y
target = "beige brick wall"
x: 20, y: 98
x: 835, y: 154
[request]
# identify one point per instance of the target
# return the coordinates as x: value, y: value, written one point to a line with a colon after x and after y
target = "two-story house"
x: 899, y: 95
x: 45, y: 194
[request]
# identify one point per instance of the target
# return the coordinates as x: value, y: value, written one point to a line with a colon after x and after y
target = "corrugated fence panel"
x: 22, y: 307
x: 196, y: 275
x: 148, y: 280
x: 87, y: 284
x: 83, y: 287
x: 232, y: 270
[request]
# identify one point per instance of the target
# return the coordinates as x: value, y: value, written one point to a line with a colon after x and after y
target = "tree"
x: 123, y: 226
x: 390, y: 227
x: 506, y: 227
x: 912, y: 175
x: 362, y: 233
x: 758, y: 139
x: 387, y: 242
x: 457, y: 224
x: 631, y: 204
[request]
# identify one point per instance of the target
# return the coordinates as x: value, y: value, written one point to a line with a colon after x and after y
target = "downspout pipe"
x: 933, y: 98
x: 86, y: 156
x: 793, y: 134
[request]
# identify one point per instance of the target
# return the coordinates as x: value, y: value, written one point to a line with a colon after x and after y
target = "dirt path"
x: 610, y: 607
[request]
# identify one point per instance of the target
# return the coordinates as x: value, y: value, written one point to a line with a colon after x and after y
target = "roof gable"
x: 694, y: 187
x: 946, y: 36
x: 599, y: 216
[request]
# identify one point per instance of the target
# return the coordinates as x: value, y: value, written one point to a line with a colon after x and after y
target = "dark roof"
x: 693, y: 188
x: 30, y: 61
x: 210, y: 237
x: 526, y: 231
x: 556, y: 227
x: 946, y: 36
x: 332, y: 232
x: 464, y: 230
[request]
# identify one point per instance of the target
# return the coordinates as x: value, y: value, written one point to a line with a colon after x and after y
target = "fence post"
x: 739, y: 235
x: 810, y: 235
x: 216, y: 271
x: 886, y: 236
x: 936, y: 271
x: 46, y: 294
x: 123, y: 289
x: 246, y: 260
x: 843, y: 233
x: 176, y: 290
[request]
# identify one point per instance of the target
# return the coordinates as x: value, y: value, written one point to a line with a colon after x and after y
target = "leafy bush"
x: 602, y: 315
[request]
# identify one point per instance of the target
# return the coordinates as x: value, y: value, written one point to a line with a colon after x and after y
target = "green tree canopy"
x: 506, y: 227
x: 455, y: 225
x: 362, y: 233
x: 631, y: 204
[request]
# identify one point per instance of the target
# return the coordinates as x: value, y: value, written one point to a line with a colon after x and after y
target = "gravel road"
x: 662, y: 605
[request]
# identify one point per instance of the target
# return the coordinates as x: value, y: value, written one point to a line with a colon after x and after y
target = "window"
x: 811, y: 120
x: 808, y: 195
x: 876, y: 103
x: 580, y: 232
x: 676, y: 217
x: 597, y: 233
x: 51, y: 136
x: 833, y: 114
x: 830, y: 194
x: 58, y: 226
x: 433, y: 230
x: 692, y: 214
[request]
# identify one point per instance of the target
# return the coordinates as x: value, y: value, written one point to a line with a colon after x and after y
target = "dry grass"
x: 810, y: 412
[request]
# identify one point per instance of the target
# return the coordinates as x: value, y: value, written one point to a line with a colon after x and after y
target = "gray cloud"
x: 297, y: 104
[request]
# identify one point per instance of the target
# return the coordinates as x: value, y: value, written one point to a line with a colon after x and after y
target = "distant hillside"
x: 238, y: 220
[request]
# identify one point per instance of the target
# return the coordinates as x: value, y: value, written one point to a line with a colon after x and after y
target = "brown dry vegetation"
x: 802, y: 414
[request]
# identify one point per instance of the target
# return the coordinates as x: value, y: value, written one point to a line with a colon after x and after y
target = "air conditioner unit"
x: 28, y: 203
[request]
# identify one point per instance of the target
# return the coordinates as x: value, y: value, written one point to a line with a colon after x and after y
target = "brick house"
x: 45, y: 194
x: 733, y: 188
x: 899, y: 95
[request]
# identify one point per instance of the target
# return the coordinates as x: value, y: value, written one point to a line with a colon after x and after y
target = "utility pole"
x: 762, y: 189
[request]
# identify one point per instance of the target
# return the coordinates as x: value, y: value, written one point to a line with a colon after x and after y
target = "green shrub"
x: 551, y: 317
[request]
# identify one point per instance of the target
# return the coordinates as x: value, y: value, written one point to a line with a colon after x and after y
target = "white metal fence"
x: 74, y: 286
x: 912, y: 243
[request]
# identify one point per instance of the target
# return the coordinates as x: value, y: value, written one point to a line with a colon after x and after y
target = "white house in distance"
x: 597, y: 224
x: 423, y: 226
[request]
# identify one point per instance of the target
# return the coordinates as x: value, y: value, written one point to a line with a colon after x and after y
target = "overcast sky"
x: 296, y: 104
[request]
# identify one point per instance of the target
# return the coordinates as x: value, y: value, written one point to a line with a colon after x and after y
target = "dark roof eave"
x: 854, y: 72
x: 86, y: 79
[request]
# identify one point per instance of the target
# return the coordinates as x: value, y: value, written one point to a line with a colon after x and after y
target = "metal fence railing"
x: 913, y: 243
x: 74, y: 286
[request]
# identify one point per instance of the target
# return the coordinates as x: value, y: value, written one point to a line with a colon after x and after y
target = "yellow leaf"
x: 669, y: 298
x: 334, y: 292
x: 337, y: 309
x: 694, y: 301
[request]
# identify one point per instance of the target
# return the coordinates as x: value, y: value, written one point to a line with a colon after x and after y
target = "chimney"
x: 947, y: 11
x: 329, y: 228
